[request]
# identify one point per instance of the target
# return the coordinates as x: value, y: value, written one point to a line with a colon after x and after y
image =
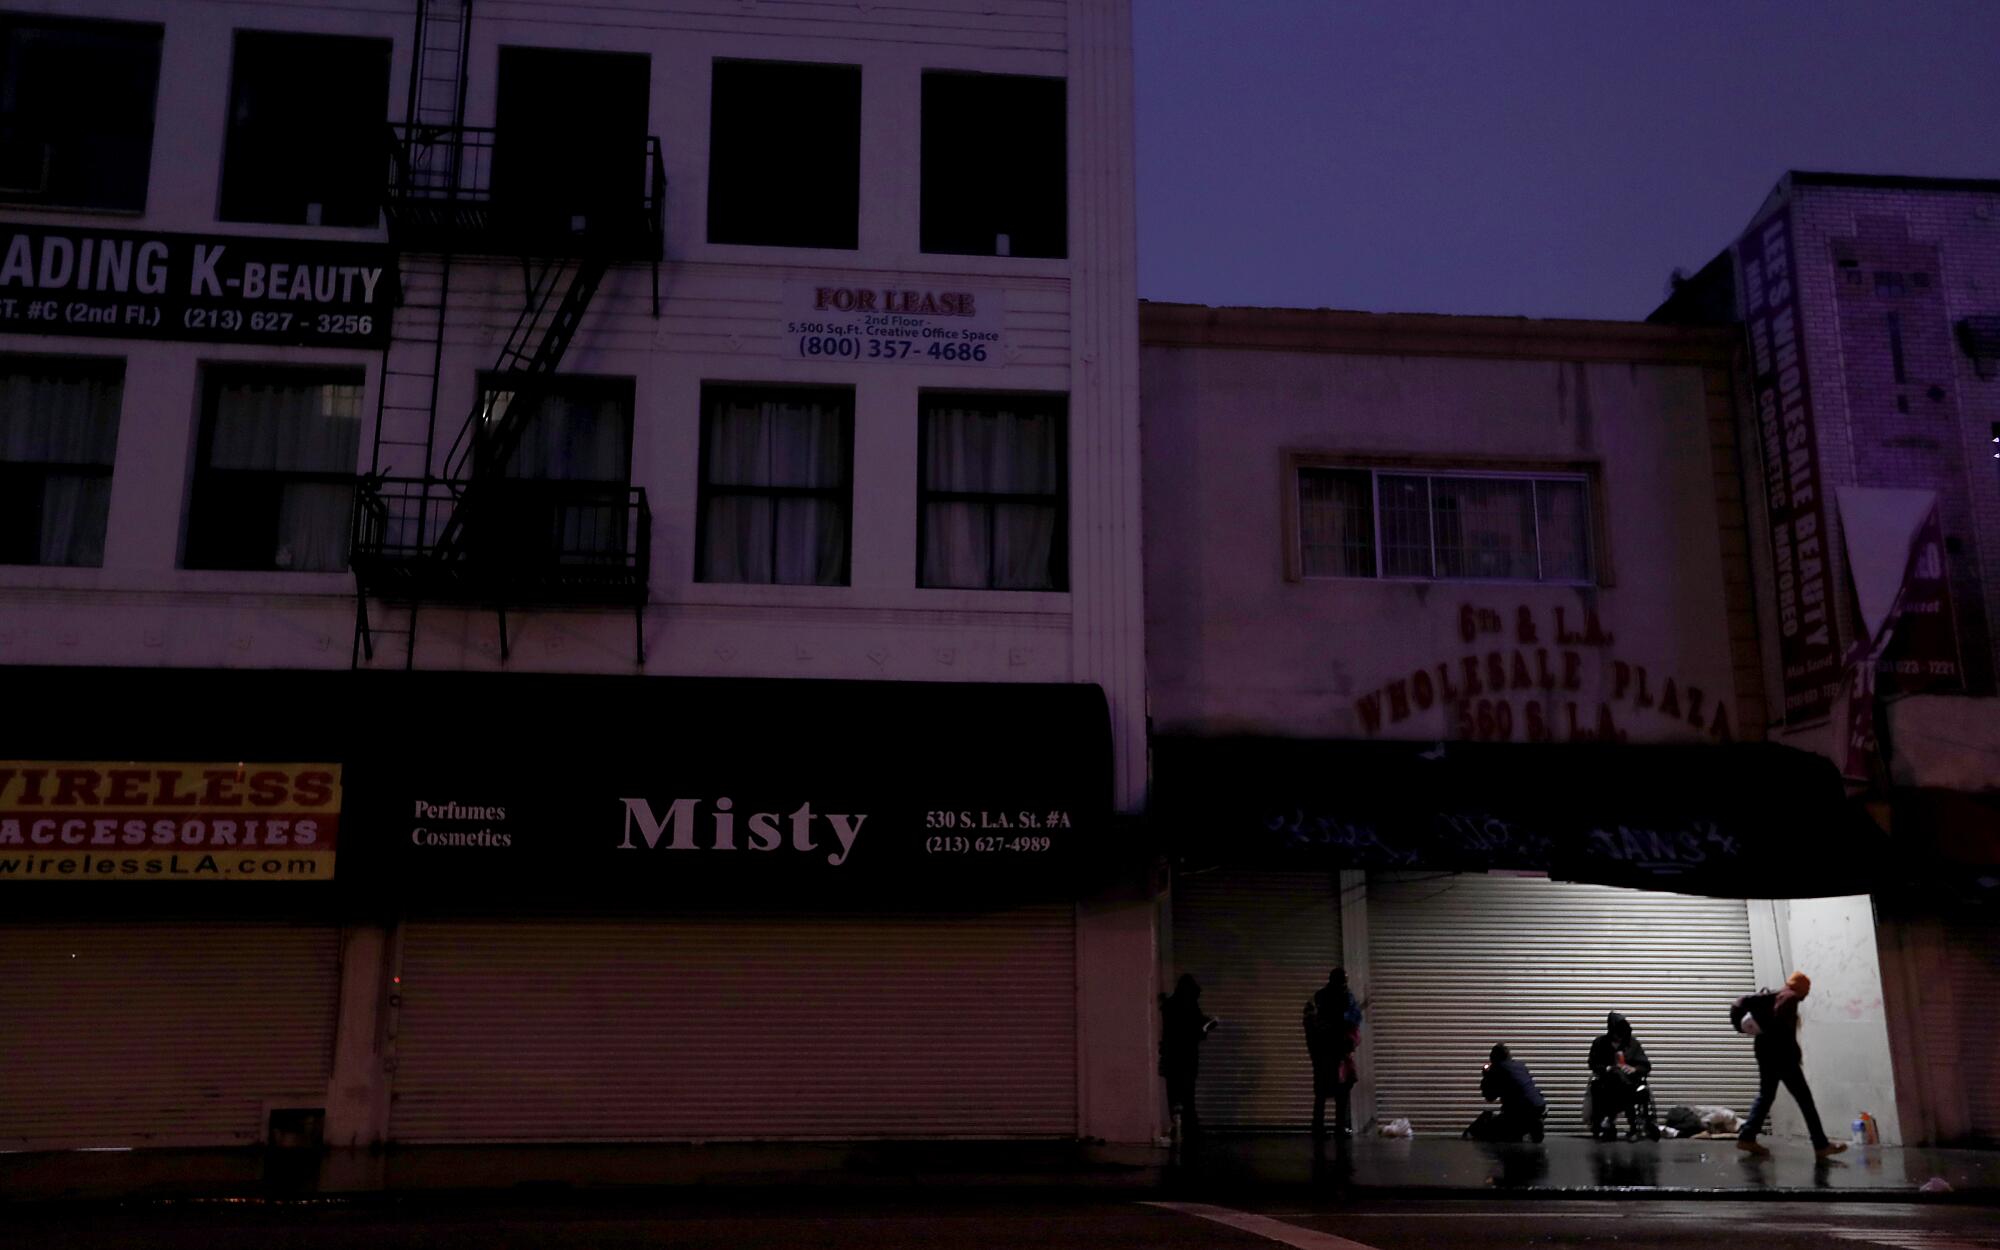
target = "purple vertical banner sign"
x: 1808, y: 650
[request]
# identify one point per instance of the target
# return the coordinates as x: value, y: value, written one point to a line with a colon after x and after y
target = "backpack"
x: 1326, y: 1033
x: 1748, y: 1013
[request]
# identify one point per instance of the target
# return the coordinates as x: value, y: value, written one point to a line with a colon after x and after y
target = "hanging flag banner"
x: 1922, y: 652
x: 1902, y: 602
x: 1808, y: 648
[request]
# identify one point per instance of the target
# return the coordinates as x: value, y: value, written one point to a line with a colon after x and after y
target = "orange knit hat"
x: 1799, y: 983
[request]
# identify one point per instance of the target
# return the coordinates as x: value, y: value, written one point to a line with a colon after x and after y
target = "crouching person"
x: 1507, y: 1081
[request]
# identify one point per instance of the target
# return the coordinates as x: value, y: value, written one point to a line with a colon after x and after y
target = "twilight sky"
x: 1547, y: 158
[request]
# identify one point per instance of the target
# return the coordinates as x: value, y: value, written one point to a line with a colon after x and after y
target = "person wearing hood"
x: 1780, y: 1061
x: 1618, y: 1065
x: 1333, y: 1034
x: 1523, y: 1109
x: 1183, y: 1025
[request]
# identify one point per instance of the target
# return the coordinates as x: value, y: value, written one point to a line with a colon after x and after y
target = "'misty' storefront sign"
x: 85, y: 821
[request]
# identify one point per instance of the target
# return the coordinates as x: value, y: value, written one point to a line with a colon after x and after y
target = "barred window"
x: 1469, y: 526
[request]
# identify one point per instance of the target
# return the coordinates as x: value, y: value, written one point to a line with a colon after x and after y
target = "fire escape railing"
x: 463, y: 189
x: 464, y: 527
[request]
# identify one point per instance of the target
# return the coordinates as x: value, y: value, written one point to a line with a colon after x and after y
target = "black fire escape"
x: 462, y: 527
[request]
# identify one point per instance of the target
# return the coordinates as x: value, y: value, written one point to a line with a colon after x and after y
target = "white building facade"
x: 728, y: 417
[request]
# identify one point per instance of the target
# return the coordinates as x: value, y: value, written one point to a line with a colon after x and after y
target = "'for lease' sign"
x: 894, y: 325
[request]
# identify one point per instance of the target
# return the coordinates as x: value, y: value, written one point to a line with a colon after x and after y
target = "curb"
x: 560, y: 1193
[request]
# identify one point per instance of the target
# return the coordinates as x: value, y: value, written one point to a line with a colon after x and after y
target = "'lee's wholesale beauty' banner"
x: 1800, y: 550
x: 81, y: 821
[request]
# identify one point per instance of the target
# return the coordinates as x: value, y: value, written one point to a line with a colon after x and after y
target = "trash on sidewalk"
x: 1719, y: 1119
x: 1396, y: 1128
x: 1935, y: 1185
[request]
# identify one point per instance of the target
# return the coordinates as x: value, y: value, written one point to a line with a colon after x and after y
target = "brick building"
x: 1872, y: 313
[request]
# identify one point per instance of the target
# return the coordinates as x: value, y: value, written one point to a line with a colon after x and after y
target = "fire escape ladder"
x: 532, y: 353
x: 437, y: 72
x: 452, y: 522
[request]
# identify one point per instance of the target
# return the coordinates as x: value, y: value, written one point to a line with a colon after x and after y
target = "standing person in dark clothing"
x: 1779, y: 1061
x: 1333, y: 1034
x: 1183, y: 1025
x: 1506, y: 1080
x: 1618, y: 1066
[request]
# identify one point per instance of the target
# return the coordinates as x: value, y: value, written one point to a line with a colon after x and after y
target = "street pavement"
x: 1226, y: 1168
x: 1002, y: 1221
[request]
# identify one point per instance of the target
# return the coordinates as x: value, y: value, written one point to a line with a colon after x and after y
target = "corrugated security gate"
x: 1259, y: 943
x: 155, y: 1034
x: 738, y: 1026
x: 1461, y: 962
x: 1974, y: 965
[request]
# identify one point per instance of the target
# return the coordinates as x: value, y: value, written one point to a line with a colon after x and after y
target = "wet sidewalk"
x: 1239, y: 1166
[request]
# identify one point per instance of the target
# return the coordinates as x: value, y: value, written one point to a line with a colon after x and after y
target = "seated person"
x: 1506, y: 1080
x: 1618, y: 1065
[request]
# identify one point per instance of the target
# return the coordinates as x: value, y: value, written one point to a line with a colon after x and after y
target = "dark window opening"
x: 991, y: 502
x: 58, y: 432
x: 1920, y: 279
x: 274, y: 476
x: 563, y: 496
x: 995, y: 165
x: 1888, y: 282
x: 306, y: 118
x: 570, y: 148
x: 777, y: 498
x: 76, y: 112
x: 1896, y: 345
x: 784, y: 154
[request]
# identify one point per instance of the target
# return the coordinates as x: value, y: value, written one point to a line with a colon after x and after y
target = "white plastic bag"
x: 1396, y: 1128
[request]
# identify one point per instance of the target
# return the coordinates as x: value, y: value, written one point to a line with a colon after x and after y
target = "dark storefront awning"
x: 1748, y: 820
x: 523, y: 791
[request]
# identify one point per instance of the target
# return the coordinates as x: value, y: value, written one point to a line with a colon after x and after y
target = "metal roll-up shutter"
x: 743, y: 1026
x: 1259, y: 943
x: 1461, y: 962
x: 162, y: 1034
x: 1974, y: 968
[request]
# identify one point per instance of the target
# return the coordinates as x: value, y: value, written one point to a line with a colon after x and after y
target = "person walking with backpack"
x: 1773, y: 1018
x: 1333, y: 1034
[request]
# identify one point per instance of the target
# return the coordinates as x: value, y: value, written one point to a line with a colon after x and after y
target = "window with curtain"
x: 776, y: 485
x: 1363, y: 522
x: 567, y: 494
x: 274, y: 479
x: 58, y: 431
x: 991, y: 509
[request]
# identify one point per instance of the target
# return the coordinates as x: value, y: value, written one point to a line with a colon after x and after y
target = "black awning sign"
x: 208, y: 288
